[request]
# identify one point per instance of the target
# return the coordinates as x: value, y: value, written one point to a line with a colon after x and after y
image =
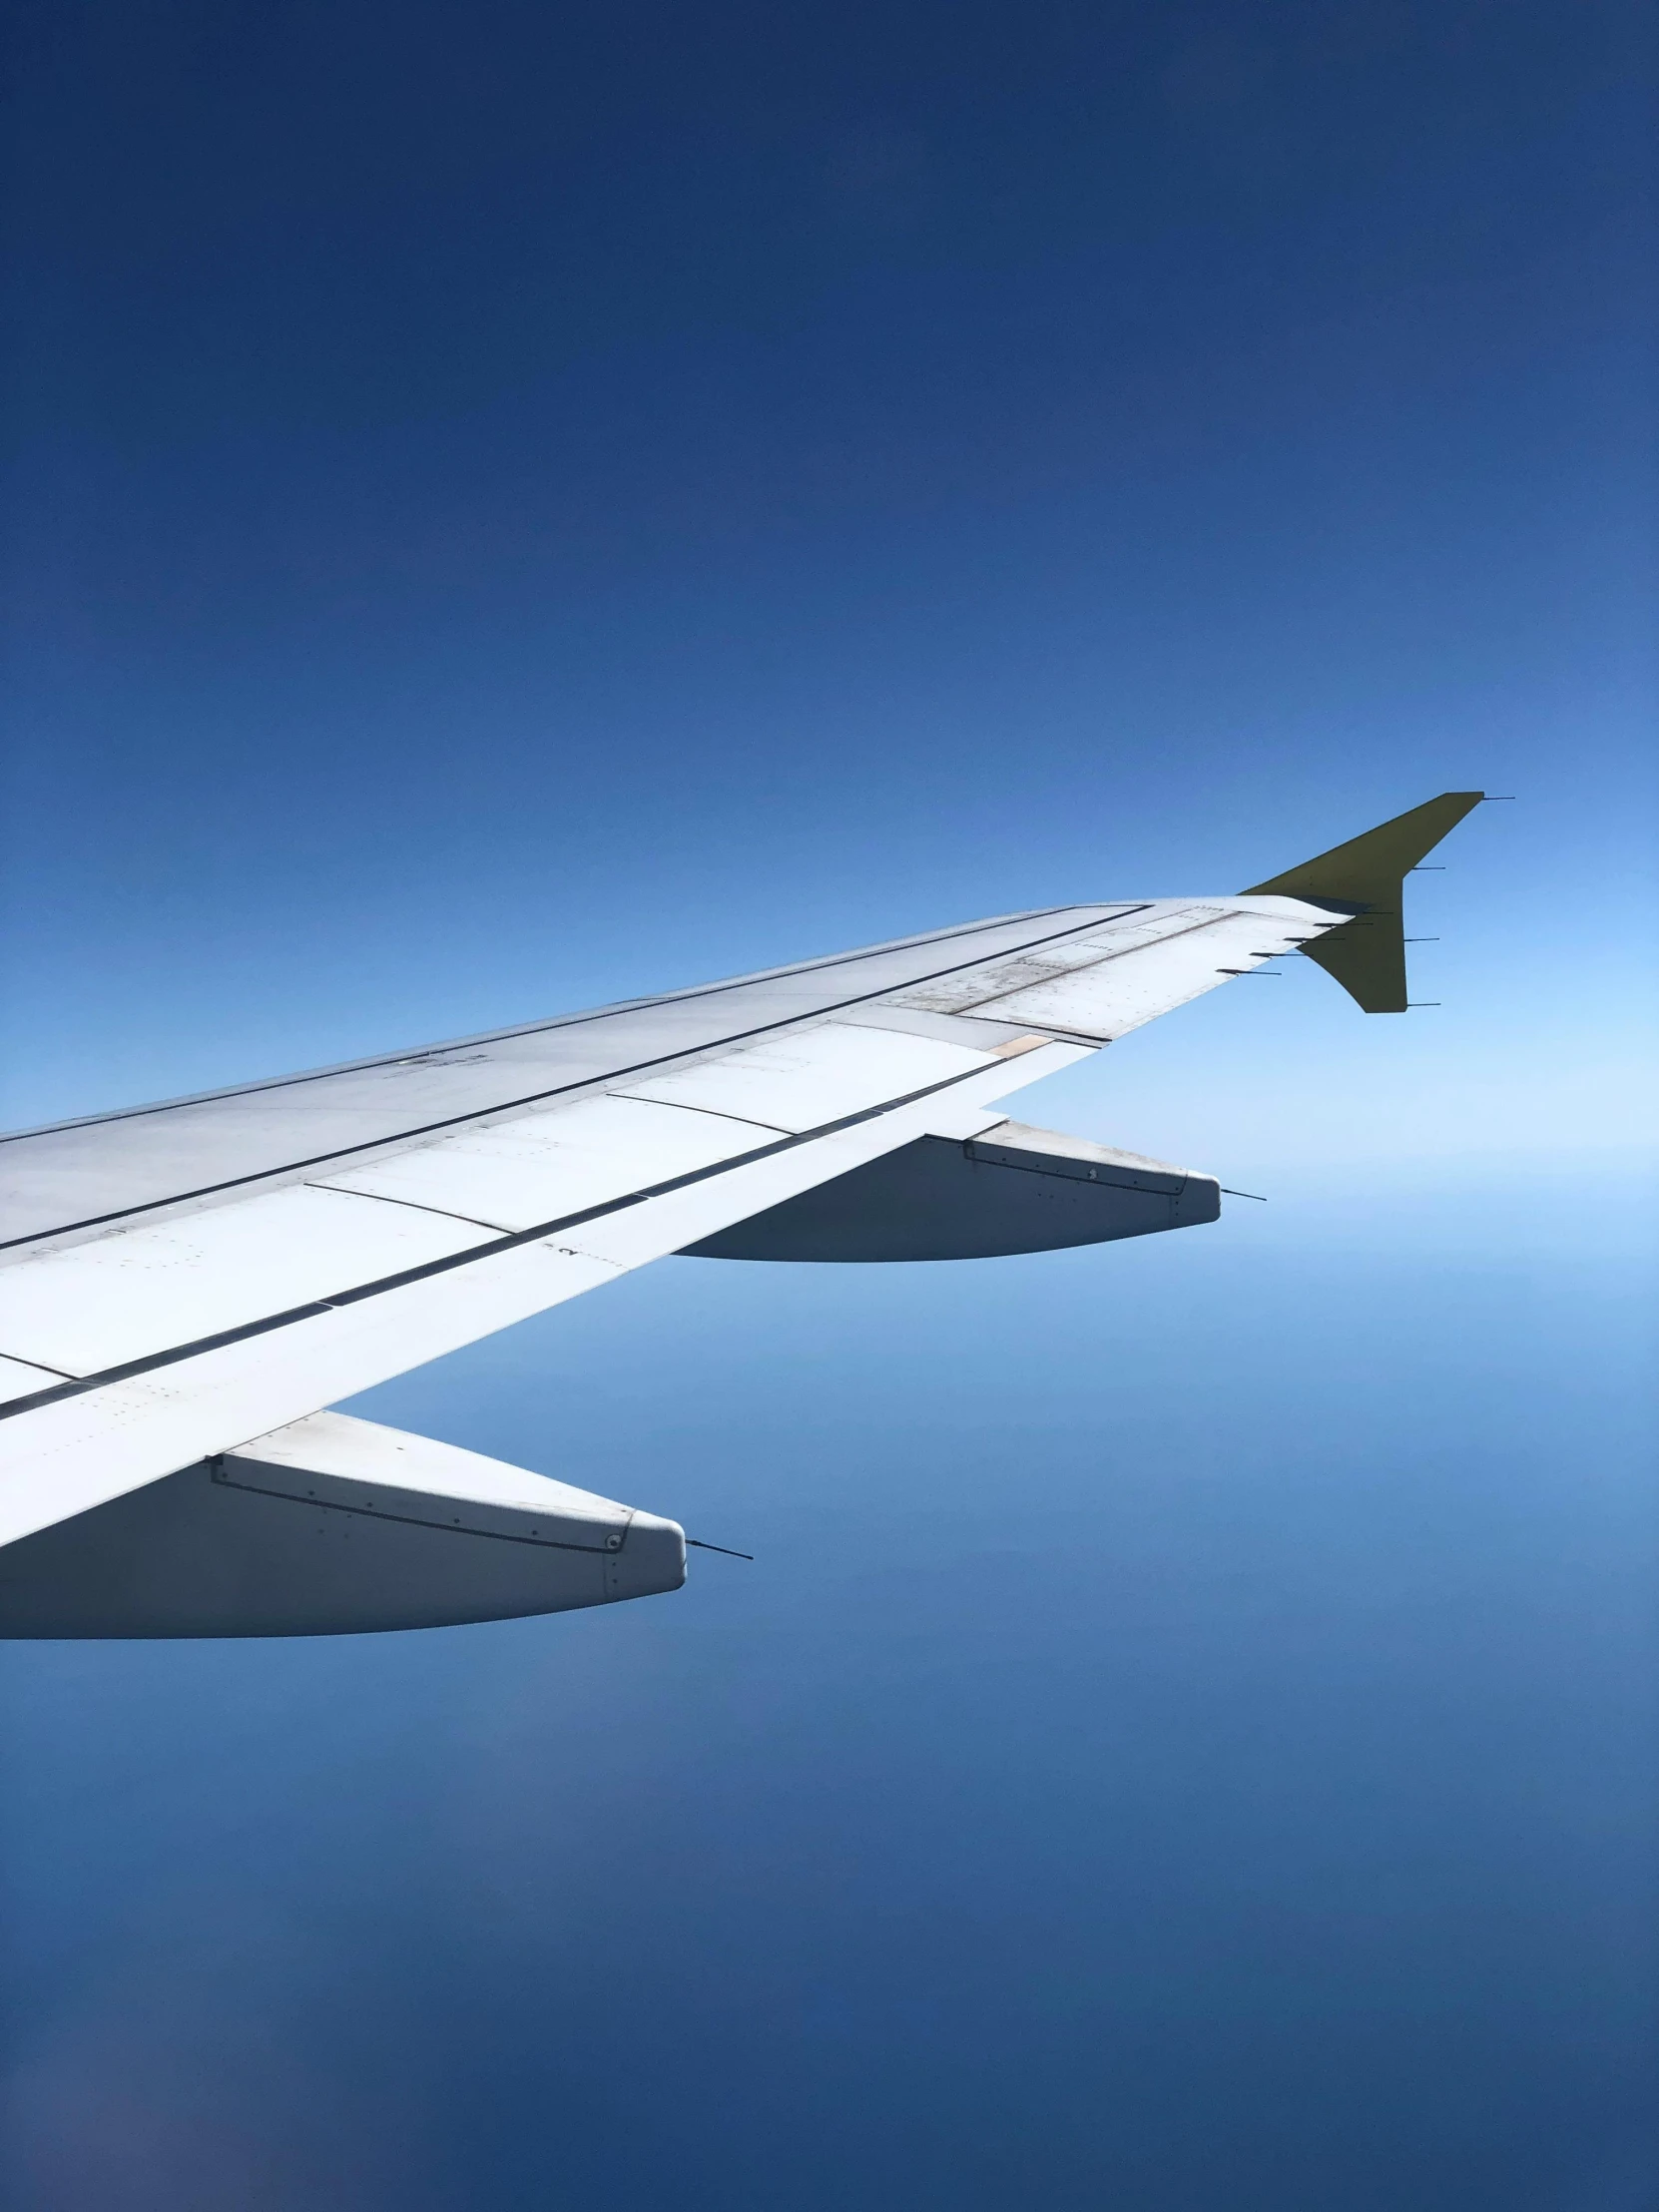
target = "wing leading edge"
x: 181, y: 1281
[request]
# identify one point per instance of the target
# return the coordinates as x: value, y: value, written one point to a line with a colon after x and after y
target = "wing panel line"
x: 412, y: 1205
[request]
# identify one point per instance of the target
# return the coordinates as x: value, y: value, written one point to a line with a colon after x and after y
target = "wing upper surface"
x: 276, y: 1249
x: 80, y: 1176
x: 1116, y: 975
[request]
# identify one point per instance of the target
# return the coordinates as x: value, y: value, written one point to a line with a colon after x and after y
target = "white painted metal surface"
x: 350, y: 1451
x: 1125, y: 929
x: 1128, y: 988
x: 1124, y: 972
x: 812, y: 1076
x: 142, y: 1290
x: 546, y: 1165
x: 19, y: 1379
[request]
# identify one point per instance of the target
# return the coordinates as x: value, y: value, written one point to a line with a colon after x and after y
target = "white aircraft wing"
x: 186, y: 1288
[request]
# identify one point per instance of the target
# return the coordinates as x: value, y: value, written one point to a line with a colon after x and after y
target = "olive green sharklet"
x: 1367, y: 955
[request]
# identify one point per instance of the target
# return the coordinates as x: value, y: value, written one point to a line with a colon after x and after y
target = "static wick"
x: 1256, y: 1195
x: 695, y: 1543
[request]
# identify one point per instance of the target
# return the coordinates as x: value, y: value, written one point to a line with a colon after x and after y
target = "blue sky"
x: 514, y: 507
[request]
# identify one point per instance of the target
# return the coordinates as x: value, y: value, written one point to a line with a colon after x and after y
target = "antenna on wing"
x: 695, y: 1543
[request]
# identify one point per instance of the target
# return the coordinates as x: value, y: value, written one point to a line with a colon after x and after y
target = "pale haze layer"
x: 509, y: 508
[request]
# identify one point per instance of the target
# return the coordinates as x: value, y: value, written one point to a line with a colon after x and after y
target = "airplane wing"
x: 185, y: 1289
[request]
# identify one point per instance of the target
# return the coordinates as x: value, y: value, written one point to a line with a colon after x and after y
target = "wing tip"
x: 1366, y: 878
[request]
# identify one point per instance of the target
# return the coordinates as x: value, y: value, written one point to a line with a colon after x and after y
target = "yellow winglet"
x: 1366, y: 876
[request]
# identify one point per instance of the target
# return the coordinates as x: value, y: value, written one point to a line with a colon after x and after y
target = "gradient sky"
x: 514, y: 506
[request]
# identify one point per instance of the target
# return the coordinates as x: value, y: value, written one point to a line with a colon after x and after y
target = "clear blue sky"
x: 513, y: 506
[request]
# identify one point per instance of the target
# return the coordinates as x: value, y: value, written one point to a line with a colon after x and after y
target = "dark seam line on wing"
x: 317, y: 1306
x: 503, y: 1106
x: 411, y: 1205
x: 568, y: 1021
x: 713, y: 1113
